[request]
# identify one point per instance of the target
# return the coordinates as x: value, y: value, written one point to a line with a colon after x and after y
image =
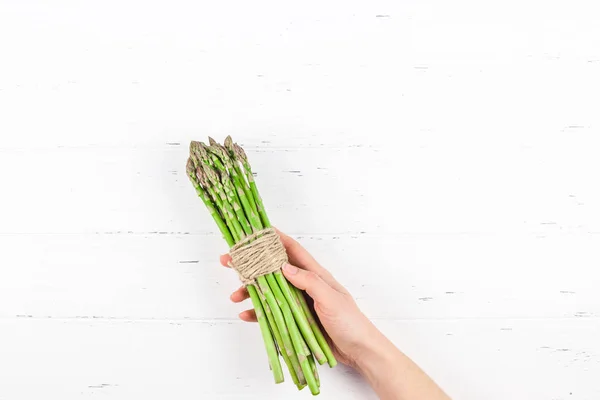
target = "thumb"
x: 311, y: 283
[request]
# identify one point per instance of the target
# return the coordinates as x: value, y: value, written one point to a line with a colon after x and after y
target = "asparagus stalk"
x: 239, y: 174
x: 273, y: 300
x: 239, y: 183
x: 233, y: 200
x: 240, y: 156
x: 264, y: 328
x: 221, y: 192
x: 298, y: 342
x: 223, y: 178
x: 295, y: 371
x: 314, y: 325
x: 301, y: 351
x: 285, y: 329
x: 313, y: 367
x: 306, y: 322
x: 211, y: 209
x: 216, y: 199
x: 301, y: 319
x: 268, y: 339
x: 268, y: 285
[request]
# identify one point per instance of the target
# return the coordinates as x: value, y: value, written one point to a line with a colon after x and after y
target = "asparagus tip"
x: 228, y: 143
x: 193, y: 146
x: 212, y: 141
x: 211, y: 174
x: 189, y: 168
x: 240, y: 154
x: 222, y: 152
x: 200, y: 151
x: 194, y: 160
x: 201, y: 176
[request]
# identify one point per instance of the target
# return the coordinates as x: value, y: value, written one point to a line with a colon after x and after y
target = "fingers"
x: 300, y: 257
x: 312, y: 283
x: 248, y: 316
x: 239, y: 295
x: 297, y: 254
x: 225, y: 259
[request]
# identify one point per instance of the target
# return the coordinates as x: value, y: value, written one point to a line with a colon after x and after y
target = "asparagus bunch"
x: 223, y: 179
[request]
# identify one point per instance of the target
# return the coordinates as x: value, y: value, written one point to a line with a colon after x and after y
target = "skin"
x: 355, y: 341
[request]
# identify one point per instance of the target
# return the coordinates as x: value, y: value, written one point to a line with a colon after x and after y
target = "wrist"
x: 391, y: 373
x: 378, y: 359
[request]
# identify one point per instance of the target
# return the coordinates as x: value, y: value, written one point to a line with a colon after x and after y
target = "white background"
x: 441, y: 158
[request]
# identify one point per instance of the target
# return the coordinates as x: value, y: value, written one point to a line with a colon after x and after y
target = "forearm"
x: 392, y: 374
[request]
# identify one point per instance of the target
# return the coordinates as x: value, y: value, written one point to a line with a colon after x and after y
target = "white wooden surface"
x: 441, y: 158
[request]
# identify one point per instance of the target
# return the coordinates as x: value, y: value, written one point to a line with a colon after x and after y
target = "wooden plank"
x: 441, y: 163
x: 495, y: 359
x: 414, y: 277
x: 346, y: 190
x: 324, y: 74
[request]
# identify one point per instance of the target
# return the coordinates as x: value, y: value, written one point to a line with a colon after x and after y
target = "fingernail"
x: 290, y: 269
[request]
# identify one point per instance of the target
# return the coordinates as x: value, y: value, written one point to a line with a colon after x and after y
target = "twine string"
x: 258, y: 254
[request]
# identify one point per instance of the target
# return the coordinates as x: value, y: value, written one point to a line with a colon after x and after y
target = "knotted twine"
x: 258, y: 254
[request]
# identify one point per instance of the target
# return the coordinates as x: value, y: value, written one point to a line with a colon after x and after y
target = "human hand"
x: 354, y: 340
x: 348, y: 329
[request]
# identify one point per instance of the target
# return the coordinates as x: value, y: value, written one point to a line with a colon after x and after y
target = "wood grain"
x: 449, y: 149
